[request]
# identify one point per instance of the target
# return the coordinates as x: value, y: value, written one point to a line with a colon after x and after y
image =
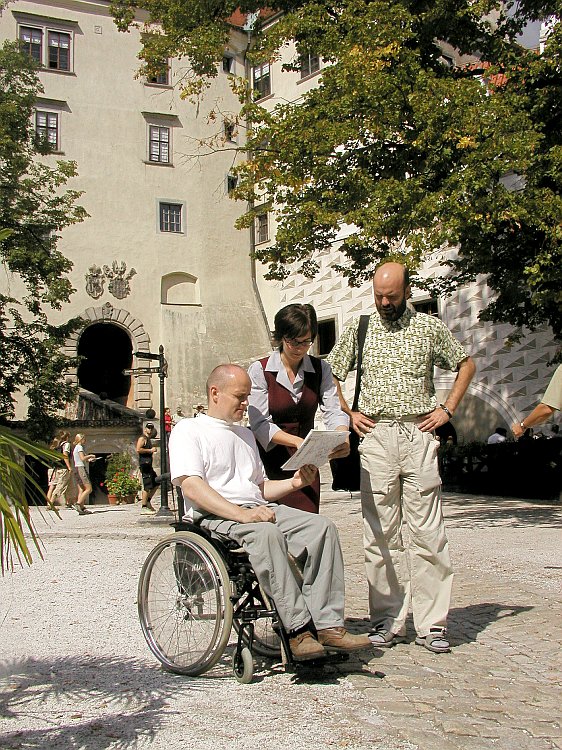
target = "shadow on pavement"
x: 99, y: 702
x: 472, y: 512
x: 465, y: 623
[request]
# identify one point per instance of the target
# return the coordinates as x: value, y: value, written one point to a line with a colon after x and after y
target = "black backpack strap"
x: 361, y: 334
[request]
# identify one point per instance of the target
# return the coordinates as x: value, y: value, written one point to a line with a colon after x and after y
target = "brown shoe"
x: 304, y: 646
x: 338, y: 639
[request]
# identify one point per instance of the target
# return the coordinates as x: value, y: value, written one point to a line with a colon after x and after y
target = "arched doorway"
x: 106, y: 350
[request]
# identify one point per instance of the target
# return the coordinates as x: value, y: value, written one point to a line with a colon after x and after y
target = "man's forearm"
x: 209, y: 500
x: 465, y: 374
x: 343, y: 403
x: 275, y: 489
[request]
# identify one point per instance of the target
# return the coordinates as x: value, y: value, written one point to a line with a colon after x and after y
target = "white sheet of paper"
x: 317, y: 446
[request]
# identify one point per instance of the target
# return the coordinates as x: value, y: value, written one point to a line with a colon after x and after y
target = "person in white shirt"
x: 81, y: 460
x: 217, y: 465
x: 499, y: 436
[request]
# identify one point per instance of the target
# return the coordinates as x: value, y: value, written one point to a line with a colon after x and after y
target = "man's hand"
x: 361, y: 424
x: 259, y: 514
x: 434, y: 419
x: 304, y: 476
x: 341, y: 451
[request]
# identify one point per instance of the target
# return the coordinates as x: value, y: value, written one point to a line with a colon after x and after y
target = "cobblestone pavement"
x: 75, y: 671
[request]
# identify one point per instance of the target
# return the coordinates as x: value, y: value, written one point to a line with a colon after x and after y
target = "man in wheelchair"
x: 217, y: 465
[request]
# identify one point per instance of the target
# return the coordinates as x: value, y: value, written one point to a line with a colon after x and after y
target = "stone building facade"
x: 159, y: 261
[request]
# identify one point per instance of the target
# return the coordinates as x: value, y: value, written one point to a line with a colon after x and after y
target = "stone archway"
x: 140, y: 341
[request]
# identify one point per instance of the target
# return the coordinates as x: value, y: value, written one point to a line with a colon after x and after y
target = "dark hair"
x: 294, y: 321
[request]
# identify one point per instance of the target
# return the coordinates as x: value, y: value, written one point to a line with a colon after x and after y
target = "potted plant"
x: 122, y: 486
x: 119, y: 482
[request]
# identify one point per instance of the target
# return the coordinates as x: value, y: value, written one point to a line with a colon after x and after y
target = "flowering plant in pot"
x: 122, y: 484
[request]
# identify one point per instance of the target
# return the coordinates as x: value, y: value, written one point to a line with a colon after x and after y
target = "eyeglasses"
x: 299, y: 342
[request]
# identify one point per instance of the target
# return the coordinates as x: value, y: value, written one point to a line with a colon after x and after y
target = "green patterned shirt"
x: 398, y: 361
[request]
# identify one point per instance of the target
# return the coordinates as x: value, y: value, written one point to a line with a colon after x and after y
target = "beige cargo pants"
x: 400, y: 484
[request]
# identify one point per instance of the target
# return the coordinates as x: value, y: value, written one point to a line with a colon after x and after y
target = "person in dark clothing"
x: 146, y: 452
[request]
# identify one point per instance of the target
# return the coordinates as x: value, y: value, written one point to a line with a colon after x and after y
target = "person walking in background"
x: 167, y: 423
x: 81, y: 459
x: 287, y: 389
x: 178, y: 416
x: 550, y: 402
x: 146, y: 452
x: 400, y: 481
x: 58, y: 488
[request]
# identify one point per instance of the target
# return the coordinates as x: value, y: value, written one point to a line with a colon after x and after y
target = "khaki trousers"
x: 314, y: 543
x: 400, y: 483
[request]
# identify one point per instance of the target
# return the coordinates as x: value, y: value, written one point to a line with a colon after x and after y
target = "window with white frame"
x: 428, y: 306
x: 159, y: 144
x: 58, y: 50
x: 56, y: 54
x: 262, y: 80
x: 171, y: 217
x: 227, y: 64
x: 162, y: 77
x: 31, y: 40
x: 47, y: 129
x: 309, y: 64
x: 262, y: 227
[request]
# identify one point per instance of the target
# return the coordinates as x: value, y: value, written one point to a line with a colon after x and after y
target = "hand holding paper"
x: 316, y: 448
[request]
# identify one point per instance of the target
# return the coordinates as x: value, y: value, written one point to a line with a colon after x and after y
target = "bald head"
x: 391, y: 289
x: 228, y: 388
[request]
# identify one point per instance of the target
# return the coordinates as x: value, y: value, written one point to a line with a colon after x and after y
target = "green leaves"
x: 34, y: 209
x: 393, y: 143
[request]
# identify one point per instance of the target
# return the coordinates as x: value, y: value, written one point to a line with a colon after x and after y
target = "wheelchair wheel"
x: 184, y: 603
x: 243, y: 666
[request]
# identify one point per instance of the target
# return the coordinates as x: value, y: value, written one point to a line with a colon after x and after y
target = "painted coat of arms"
x: 119, y: 279
x: 94, y: 282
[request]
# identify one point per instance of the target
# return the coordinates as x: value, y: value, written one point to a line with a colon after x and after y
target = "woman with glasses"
x: 287, y: 389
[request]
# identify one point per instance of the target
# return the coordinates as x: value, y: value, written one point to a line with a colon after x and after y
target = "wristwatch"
x: 522, y: 425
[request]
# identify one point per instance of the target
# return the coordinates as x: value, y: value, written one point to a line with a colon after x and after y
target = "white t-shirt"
x: 496, y: 438
x: 78, y: 449
x: 224, y: 455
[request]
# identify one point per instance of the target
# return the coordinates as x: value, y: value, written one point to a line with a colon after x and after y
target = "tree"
x: 34, y: 208
x: 413, y: 155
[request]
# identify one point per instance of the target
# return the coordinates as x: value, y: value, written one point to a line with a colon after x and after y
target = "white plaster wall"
x: 104, y: 131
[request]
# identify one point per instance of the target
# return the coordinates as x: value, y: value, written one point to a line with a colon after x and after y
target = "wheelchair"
x: 193, y: 587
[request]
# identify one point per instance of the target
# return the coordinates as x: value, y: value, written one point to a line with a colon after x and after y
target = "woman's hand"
x: 341, y: 451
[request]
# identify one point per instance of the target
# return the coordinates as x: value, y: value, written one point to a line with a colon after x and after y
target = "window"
x: 326, y: 337
x: 162, y: 78
x: 47, y: 128
x: 49, y: 47
x: 170, y: 217
x: 309, y: 64
x: 59, y: 51
x: 32, y: 42
x: 262, y: 80
x: 229, y: 131
x: 231, y: 182
x: 262, y: 227
x: 227, y: 64
x: 159, y: 144
x: 428, y: 306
